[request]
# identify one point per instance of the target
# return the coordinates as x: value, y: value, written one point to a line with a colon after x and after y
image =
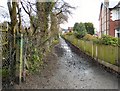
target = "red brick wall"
x: 117, y: 23
x: 112, y: 28
x: 111, y: 25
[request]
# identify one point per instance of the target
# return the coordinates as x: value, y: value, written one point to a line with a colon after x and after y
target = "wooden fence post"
x: 92, y: 49
x: 1, y: 58
x: 21, y: 59
x: 96, y: 52
x: 25, y: 59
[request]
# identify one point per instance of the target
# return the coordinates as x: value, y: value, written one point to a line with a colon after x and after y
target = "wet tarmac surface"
x: 71, y: 70
x: 79, y: 72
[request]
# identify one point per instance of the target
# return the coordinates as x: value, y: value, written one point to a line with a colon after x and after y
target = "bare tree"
x: 13, y: 14
x: 63, y: 11
x: 29, y: 9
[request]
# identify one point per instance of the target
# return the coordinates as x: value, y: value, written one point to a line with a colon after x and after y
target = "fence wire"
x: 21, y: 56
x: 4, y: 55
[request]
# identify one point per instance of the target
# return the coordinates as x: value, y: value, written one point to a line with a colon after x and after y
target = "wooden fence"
x: 105, y: 54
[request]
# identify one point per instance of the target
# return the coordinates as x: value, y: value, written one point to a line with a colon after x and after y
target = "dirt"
x: 38, y: 80
x: 66, y: 68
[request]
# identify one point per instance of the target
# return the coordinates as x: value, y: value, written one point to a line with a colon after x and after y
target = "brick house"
x: 70, y: 29
x: 109, y: 19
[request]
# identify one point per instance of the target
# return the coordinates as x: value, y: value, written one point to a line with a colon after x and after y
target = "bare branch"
x: 64, y: 8
x: 9, y: 7
x: 2, y: 7
x: 25, y: 9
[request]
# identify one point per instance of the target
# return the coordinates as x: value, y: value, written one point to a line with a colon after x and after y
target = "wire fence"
x: 20, y: 52
x: 12, y: 58
x: 1, y: 60
x: 4, y: 54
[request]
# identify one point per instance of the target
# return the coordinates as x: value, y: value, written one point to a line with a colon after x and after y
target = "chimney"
x: 106, y: 2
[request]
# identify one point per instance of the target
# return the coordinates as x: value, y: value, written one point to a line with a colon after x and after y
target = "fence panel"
x: 105, y: 53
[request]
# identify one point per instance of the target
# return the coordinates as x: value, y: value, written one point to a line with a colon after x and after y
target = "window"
x: 118, y: 35
x: 117, y: 32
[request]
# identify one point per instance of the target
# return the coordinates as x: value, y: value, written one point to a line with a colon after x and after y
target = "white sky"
x: 86, y: 11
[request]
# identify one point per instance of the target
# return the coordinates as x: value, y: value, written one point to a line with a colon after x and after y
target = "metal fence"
x: 4, y: 54
x: 12, y: 58
x: 16, y: 51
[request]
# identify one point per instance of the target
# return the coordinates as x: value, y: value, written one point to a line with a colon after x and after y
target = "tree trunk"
x: 12, y: 40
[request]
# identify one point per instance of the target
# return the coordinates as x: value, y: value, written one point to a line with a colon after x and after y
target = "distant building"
x: 109, y: 19
x: 70, y: 29
x: 64, y: 31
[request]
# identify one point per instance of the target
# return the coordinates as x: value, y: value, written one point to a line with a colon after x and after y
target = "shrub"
x: 35, y: 61
x: 119, y: 42
x: 89, y: 37
x: 69, y: 33
x: 80, y: 30
x: 79, y: 35
x: 108, y: 40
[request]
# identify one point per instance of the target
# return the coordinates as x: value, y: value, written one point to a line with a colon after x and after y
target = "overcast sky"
x: 86, y: 11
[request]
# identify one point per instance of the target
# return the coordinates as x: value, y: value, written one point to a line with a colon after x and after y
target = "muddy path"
x: 66, y: 68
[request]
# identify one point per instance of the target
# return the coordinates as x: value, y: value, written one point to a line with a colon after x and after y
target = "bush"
x: 35, y: 61
x: 89, y: 37
x: 108, y: 40
x: 79, y: 29
x: 78, y: 35
x: 119, y: 42
x: 69, y: 33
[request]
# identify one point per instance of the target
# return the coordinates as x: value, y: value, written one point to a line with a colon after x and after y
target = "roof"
x: 100, y: 10
x: 116, y: 6
x: 112, y: 5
